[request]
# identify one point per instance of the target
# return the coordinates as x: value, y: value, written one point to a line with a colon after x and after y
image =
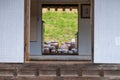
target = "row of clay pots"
x: 66, y: 45
x: 65, y: 51
x: 53, y: 47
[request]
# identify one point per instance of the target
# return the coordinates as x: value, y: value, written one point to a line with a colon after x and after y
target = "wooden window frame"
x: 87, y: 7
x: 27, y: 24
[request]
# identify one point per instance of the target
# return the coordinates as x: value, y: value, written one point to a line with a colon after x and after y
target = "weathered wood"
x: 33, y: 20
x: 6, y: 72
x: 7, y: 78
x: 26, y: 72
x: 63, y: 1
x: 92, y: 28
x: 66, y: 73
x: 38, y: 78
x: 101, y: 73
x: 58, y: 71
x: 1, y: 78
x: 47, y: 73
x: 27, y: 30
x: 112, y: 73
x: 90, y: 73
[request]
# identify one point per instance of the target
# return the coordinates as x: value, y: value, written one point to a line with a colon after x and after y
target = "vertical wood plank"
x: 27, y: 30
x: 92, y: 28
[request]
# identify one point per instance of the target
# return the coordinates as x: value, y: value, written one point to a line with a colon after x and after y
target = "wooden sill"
x: 60, y: 54
x: 61, y: 62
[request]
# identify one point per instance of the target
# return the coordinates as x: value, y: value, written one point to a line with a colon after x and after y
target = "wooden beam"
x: 63, y: 1
x: 27, y: 30
x: 92, y: 28
x: 33, y: 20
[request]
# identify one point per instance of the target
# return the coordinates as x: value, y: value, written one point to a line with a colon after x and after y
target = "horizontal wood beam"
x: 63, y: 1
x: 59, y: 5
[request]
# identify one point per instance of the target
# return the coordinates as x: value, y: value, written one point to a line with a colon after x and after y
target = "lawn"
x: 60, y: 26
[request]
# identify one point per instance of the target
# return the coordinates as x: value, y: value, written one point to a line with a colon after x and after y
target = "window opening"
x: 60, y: 29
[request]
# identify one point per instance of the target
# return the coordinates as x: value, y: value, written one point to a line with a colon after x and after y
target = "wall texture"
x: 11, y: 30
x: 107, y: 31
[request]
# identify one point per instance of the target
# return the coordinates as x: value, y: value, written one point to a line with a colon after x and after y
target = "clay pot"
x: 53, y: 51
x: 46, y: 50
x: 68, y: 44
x: 73, y: 45
x: 55, y: 44
x: 74, y: 50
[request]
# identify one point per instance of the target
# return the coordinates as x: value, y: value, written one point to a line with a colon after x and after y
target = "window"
x: 60, y: 29
x: 40, y: 48
x: 35, y: 20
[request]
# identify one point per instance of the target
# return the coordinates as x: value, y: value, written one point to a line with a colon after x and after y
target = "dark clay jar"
x: 46, y: 50
x: 55, y: 44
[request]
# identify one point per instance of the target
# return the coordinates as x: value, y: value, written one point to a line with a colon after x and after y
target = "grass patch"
x: 60, y: 26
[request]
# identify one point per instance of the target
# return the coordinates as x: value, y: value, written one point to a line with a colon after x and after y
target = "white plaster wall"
x: 107, y: 31
x: 12, y: 31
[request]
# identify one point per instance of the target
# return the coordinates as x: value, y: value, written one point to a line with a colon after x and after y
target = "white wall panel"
x: 12, y: 31
x: 107, y: 31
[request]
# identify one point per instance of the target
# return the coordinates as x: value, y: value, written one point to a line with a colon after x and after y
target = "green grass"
x: 60, y: 26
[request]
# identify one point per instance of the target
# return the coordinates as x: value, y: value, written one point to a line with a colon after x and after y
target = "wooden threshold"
x: 60, y: 54
x: 60, y: 58
x: 60, y: 62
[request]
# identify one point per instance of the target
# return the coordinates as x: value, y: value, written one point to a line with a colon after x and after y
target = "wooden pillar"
x: 48, y: 8
x: 27, y: 30
x: 63, y: 8
x: 92, y: 28
x: 56, y: 8
x: 70, y: 8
